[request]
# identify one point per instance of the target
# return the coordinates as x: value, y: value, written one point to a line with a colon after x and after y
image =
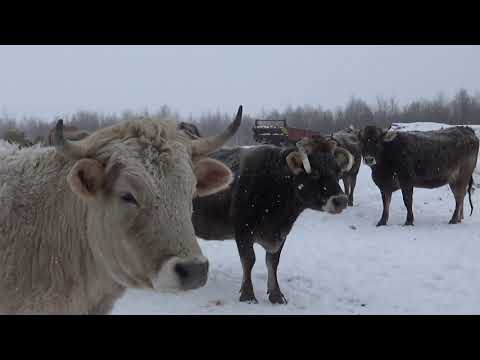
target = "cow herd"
x: 94, y: 214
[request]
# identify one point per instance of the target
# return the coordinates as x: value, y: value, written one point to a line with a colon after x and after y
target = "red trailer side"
x: 295, y: 134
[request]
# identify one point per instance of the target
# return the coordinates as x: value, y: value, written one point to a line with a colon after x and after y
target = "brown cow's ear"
x: 294, y: 162
x: 389, y: 136
x: 212, y: 176
x: 86, y: 178
x: 344, y: 159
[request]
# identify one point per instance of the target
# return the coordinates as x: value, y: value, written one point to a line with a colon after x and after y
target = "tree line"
x: 461, y: 109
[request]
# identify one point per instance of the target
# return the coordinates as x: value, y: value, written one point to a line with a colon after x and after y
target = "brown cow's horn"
x: 65, y: 147
x: 305, y: 161
x: 205, y: 146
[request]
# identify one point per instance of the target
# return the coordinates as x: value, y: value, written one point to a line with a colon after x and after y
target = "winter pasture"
x: 343, y: 264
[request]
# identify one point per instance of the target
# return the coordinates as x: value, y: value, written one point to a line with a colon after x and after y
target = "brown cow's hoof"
x: 408, y: 223
x: 277, y: 298
x: 248, y: 298
x: 382, y: 223
x: 454, y: 222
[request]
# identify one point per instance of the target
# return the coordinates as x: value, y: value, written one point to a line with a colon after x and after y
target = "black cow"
x: 348, y: 139
x: 424, y: 159
x: 271, y: 188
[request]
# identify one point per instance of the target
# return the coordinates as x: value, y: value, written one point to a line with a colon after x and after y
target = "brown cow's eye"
x: 128, y: 198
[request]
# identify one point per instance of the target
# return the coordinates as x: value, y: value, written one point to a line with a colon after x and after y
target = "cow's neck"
x: 294, y: 207
x: 99, y: 289
x: 53, y: 265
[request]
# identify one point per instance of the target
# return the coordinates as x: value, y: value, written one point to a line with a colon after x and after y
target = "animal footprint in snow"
x: 307, y: 282
x: 215, y: 303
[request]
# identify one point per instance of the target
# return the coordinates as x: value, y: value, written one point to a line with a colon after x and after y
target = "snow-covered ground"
x: 343, y: 264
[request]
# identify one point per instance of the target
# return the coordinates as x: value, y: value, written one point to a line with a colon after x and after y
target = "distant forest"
x: 462, y: 109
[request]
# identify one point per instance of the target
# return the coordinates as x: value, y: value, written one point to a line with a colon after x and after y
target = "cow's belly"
x: 270, y: 246
x: 271, y: 237
x: 435, y: 176
x: 213, y: 231
x: 210, y: 226
x: 431, y: 183
x: 211, y: 217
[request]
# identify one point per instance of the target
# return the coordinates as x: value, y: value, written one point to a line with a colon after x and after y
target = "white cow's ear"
x: 86, y: 178
x: 212, y: 176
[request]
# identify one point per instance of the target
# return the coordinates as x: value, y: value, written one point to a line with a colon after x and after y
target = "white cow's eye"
x: 129, y: 198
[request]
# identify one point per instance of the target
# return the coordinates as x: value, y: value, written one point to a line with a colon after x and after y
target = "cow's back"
x: 264, y: 199
x: 255, y: 188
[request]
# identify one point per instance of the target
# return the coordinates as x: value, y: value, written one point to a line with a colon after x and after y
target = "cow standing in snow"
x: 348, y: 139
x: 424, y: 159
x: 271, y: 188
x: 81, y: 222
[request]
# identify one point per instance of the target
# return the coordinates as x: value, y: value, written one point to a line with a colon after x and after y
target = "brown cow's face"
x: 317, y: 188
x: 320, y: 190
x: 139, y: 200
x: 373, y: 139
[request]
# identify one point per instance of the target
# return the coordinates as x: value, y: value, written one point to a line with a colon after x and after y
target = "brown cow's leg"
x: 346, y: 185
x: 247, y: 257
x: 386, y: 198
x: 407, y: 194
x: 353, y: 182
x: 274, y: 294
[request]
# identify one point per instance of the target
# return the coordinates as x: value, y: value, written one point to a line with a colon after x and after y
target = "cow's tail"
x: 470, y: 194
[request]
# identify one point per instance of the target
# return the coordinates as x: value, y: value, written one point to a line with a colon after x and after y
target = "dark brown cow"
x: 271, y: 188
x: 424, y: 159
x: 348, y: 139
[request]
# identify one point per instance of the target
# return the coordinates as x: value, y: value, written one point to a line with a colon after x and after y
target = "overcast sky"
x: 49, y: 81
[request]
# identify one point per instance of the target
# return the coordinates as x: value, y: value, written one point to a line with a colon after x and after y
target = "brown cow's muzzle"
x: 369, y: 160
x: 336, y: 204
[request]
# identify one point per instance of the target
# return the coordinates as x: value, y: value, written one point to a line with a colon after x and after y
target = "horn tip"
x: 58, y: 137
x: 238, y: 119
x: 240, y: 111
